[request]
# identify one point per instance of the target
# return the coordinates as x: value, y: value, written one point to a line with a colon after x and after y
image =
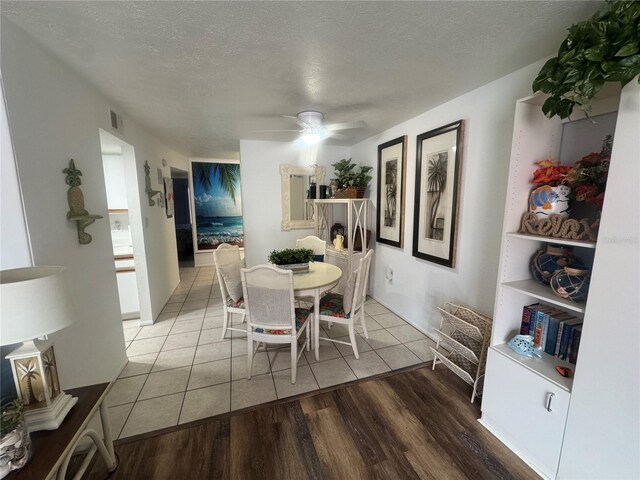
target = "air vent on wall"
x: 116, y: 120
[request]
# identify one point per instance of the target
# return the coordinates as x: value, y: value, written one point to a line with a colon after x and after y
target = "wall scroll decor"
x: 439, y: 154
x: 168, y: 195
x: 75, y: 198
x: 217, y: 203
x: 147, y: 185
x: 392, y: 165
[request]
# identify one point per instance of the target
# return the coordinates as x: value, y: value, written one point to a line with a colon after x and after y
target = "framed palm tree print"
x: 439, y: 155
x: 216, y: 203
x: 392, y: 163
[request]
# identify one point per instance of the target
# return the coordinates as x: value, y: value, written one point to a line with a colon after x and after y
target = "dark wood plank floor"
x: 416, y: 424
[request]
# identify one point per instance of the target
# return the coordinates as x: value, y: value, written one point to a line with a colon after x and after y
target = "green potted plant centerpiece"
x: 295, y: 259
x: 351, y: 179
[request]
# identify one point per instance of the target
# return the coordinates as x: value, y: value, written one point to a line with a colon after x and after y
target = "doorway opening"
x: 182, y: 216
x: 125, y: 221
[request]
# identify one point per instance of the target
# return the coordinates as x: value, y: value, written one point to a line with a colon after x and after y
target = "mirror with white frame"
x: 299, y: 188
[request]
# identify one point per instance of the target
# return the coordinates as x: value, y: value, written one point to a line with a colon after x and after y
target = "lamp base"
x: 35, y: 374
x: 50, y: 418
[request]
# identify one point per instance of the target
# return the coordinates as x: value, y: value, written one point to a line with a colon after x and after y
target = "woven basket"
x: 351, y: 192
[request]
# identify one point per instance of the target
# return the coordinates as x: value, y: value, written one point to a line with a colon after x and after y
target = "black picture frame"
x: 392, y: 169
x: 435, y: 220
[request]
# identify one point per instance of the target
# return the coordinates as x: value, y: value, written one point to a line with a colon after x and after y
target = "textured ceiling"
x: 202, y: 75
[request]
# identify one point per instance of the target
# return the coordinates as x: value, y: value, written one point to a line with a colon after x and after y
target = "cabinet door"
x: 514, y: 407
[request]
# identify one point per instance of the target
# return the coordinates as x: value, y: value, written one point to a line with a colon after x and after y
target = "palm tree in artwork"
x: 391, y: 186
x: 28, y: 373
x: 49, y: 370
x: 228, y: 176
x: 436, y: 182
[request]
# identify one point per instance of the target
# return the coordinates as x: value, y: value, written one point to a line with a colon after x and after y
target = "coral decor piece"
x: 550, y: 173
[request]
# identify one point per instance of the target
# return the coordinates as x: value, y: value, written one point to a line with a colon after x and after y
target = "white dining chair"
x: 348, y: 308
x: 316, y: 244
x: 271, y: 313
x: 228, y: 264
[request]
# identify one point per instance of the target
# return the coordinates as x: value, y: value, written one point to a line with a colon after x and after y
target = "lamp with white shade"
x: 35, y: 302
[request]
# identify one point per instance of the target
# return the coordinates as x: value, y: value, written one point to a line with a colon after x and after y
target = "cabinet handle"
x: 550, y: 396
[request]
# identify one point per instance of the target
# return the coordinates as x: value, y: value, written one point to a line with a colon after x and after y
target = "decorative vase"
x: 333, y: 186
x: 15, y: 449
x: 296, y: 267
x: 545, y: 264
x: 546, y: 200
x: 571, y: 283
x: 338, y: 243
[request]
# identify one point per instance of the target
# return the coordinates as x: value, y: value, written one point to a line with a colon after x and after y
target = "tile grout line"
x: 186, y: 387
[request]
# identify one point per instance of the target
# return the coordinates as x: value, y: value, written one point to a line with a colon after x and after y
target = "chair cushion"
x: 331, y: 305
x: 347, y: 299
x: 318, y: 258
x: 235, y: 304
x: 230, y: 273
x: 302, y: 315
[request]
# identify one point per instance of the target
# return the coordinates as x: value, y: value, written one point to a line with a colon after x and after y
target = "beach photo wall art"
x: 392, y: 165
x: 438, y: 159
x: 217, y: 203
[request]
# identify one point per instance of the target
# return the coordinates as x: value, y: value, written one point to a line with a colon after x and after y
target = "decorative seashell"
x: 10, y: 439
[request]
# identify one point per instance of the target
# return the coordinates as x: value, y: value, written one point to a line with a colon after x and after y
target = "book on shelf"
x: 547, y: 312
x: 566, y: 336
x: 575, y: 344
x: 554, y: 329
x: 528, y: 319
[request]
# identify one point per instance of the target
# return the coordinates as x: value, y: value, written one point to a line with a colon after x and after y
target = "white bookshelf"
x: 529, y: 391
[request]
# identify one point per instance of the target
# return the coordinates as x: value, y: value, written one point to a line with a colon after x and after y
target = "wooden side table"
x: 52, y: 449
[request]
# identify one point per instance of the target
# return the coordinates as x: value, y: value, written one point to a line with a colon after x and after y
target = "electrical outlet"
x: 388, y: 274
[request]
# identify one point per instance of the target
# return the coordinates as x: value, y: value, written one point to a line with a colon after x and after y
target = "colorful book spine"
x: 552, y: 333
x: 556, y: 350
x: 526, y: 320
x: 548, y: 311
x: 537, y: 336
x: 566, y: 336
x: 575, y: 344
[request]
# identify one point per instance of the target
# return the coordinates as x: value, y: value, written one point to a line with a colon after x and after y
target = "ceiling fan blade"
x: 298, y: 121
x: 268, y: 131
x: 345, y: 126
x: 339, y: 136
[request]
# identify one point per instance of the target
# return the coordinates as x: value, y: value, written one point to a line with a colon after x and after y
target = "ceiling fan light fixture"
x: 311, y: 138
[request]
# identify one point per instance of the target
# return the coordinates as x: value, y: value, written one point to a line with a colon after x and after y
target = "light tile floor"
x: 181, y: 370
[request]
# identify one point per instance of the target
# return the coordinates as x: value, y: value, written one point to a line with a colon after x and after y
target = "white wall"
x: 56, y: 115
x: 262, y: 206
x: 15, y: 251
x: 419, y: 286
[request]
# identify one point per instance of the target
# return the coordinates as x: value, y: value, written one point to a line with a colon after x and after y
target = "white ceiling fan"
x: 314, y: 131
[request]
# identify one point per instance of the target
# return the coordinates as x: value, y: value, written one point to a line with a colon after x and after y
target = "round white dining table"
x: 321, y: 277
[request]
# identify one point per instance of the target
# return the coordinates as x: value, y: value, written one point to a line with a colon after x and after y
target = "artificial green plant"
x: 351, y: 175
x: 602, y: 49
x: 290, y: 256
